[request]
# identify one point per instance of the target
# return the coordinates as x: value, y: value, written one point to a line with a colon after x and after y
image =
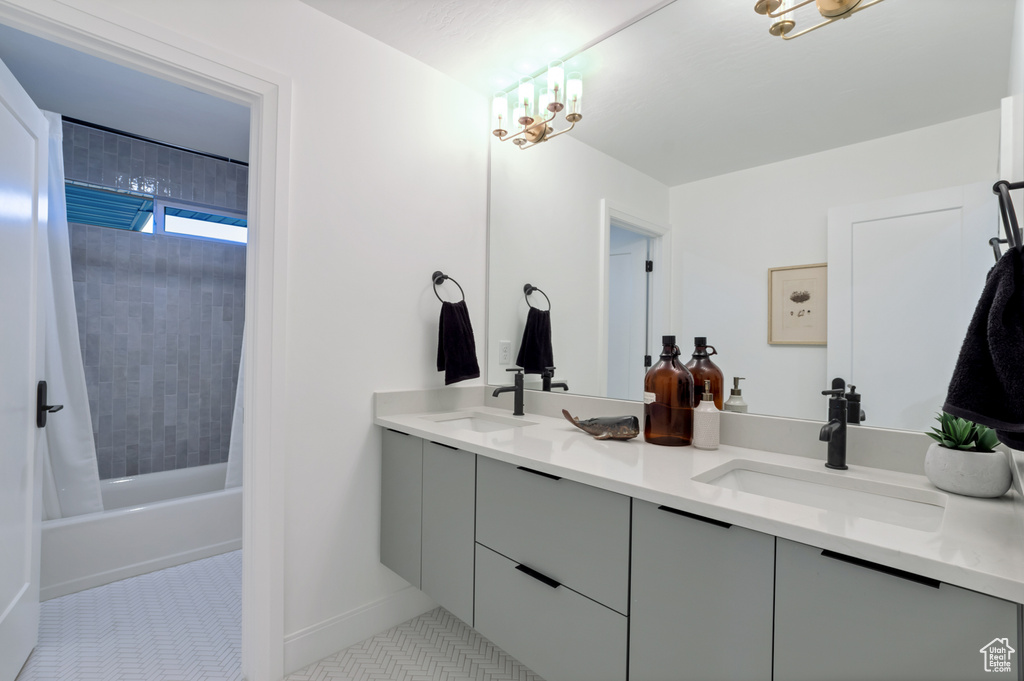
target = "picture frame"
x: 798, y: 305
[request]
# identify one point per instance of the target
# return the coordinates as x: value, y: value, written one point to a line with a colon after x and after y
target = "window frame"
x: 160, y: 204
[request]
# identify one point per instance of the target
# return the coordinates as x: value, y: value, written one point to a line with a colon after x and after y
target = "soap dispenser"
x: 703, y: 369
x: 706, y: 421
x: 735, y: 401
x: 668, y: 399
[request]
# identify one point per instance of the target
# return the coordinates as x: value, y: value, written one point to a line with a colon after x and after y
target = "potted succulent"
x: 963, y: 459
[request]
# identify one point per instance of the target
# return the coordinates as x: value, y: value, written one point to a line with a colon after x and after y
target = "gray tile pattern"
x: 435, y: 646
x: 111, y: 160
x: 160, y: 321
x: 178, y: 624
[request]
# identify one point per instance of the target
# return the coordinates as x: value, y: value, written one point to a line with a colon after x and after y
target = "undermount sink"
x: 478, y: 422
x: 910, y: 507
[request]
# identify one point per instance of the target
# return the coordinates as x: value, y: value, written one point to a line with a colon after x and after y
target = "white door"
x: 23, y: 141
x: 904, y: 277
x: 628, y: 307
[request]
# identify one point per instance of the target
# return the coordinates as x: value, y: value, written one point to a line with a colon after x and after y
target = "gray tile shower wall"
x: 160, y: 317
x: 160, y: 321
x: 110, y: 160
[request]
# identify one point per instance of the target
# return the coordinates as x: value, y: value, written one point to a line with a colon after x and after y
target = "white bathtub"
x: 150, y: 522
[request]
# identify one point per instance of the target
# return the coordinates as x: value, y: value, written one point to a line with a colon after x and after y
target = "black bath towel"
x: 988, y: 382
x: 456, y: 349
x: 535, y: 352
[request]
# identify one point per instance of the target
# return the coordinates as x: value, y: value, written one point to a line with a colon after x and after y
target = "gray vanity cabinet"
x: 555, y: 631
x: 839, y: 618
x: 401, y: 489
x: 552, y: 572
x: 701, y: 600
x: 575, y: 534
x: 449, y: 495
x: 426, y: 518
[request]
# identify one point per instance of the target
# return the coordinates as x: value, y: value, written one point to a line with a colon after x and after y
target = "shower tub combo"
x: 149, y: 522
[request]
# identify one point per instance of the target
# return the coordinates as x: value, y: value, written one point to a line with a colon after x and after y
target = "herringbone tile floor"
x: 435, y: 646
x: 178, y: 624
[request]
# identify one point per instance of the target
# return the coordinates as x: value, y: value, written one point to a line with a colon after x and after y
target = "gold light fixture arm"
x: 830, y: 21
x: 548, y: 136
x: 531, y: 127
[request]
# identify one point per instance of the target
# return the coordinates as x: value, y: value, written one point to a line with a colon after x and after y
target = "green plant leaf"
x: 987, y: 439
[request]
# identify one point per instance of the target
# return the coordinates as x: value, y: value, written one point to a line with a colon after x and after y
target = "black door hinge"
x: 647, y: 360
x: 649, y: 266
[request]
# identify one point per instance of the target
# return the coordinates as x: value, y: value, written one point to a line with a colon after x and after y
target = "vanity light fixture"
x: 831, y: 10
x: 533, y: 112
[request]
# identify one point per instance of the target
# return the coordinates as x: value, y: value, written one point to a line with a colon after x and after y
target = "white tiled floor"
x: 178, y: 624
x: 432, y: 647
x: 184, y: 624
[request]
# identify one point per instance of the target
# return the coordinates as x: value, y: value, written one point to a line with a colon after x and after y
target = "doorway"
x: 267, y: 95
x: 635, y: 292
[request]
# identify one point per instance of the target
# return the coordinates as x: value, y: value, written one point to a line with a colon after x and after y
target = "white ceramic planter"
x: 973, y: 474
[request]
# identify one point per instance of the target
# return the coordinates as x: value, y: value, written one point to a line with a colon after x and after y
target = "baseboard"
x: 306, y: 646
x: 100, y: 578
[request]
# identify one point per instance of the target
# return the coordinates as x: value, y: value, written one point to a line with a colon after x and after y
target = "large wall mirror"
x: 719, y: 152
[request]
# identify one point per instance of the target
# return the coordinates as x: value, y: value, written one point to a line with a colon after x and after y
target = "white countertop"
x: 979, y: 546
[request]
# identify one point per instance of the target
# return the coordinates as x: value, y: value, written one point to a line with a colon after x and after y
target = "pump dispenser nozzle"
x: 735, y: 401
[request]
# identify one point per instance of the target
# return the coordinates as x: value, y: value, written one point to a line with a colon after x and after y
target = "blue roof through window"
x: 93, y: 206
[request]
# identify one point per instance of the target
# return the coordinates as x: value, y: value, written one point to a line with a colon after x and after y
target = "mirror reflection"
x: 711, y: 152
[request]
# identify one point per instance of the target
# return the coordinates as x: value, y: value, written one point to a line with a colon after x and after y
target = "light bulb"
x: 544, y: 101
x: 499, y: 113
x: 517, y: 117
x: 556, y: 81
x: 526, y: 100
x: 574, y: 94
x: 784, y: 23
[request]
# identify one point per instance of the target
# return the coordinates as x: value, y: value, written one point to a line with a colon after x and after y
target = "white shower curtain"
x: 234, y: 473
x: 71, y: 483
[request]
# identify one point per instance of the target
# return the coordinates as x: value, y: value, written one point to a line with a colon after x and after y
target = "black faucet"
x: 834, y: 432
x: 517, y: 388
x: 546, y: 384
x: 855, y: 415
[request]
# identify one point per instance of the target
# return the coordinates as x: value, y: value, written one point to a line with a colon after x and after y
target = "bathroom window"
x: 137, y: 212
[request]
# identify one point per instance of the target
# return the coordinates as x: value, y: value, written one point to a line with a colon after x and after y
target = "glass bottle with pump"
x: 703, y: 369
x: 668, y: 399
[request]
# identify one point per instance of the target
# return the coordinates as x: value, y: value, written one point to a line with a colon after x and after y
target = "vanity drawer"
x: 574, y: 533
x: 556, y: 632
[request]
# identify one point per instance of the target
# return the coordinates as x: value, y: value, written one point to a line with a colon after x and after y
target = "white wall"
x: 546, y: 230
x: 731, y: 229
x: 1016, y: 84
x: 387, y: 184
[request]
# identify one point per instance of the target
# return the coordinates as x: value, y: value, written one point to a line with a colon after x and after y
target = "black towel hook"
x: 438, y: 278
x: 530, y: 288
x: 1013, y: 236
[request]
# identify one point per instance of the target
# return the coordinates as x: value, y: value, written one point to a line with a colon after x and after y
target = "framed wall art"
x: 798, y: 305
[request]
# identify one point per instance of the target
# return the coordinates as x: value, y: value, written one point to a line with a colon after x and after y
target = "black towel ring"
x: 1013, y: 234
x: 438, y: 279
x: 530, y: 288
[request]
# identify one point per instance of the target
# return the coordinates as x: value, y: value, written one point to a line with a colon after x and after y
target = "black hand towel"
x: 988, y: 382
x: 535, y: 352
x: 456, y: 349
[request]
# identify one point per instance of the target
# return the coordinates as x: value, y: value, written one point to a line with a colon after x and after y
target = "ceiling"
x: 88, y: 88
x: 699, y: 88
x: 679, y: 90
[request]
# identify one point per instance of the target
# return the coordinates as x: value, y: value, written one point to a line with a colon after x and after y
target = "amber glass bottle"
x: 703, y: 369
x: 668, y: 399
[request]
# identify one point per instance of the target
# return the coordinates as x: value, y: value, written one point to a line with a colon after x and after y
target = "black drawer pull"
x: 543, y: 475
x: 445, y: 446
x: 694, y: 516
x: 885, y: 569
x: 538, y: 576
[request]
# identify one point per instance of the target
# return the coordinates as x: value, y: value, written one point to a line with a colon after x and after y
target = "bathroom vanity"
x: 600, y: 560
